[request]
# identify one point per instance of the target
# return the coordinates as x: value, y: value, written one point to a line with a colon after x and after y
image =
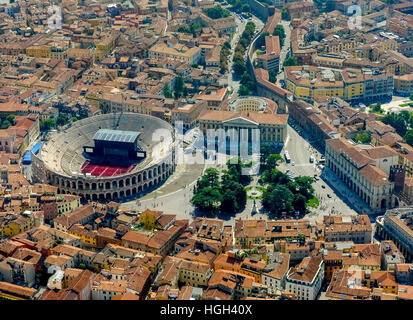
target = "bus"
x: 287, y: 157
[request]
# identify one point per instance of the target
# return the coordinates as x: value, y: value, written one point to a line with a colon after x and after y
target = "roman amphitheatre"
x: 64, y: 161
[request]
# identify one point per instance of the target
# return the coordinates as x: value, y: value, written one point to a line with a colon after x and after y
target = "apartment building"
x: 352, y: 85
x: 296, y: 250
x: 403, y: 85
x: 390, y: 255
x: 188, y: 113
x: 356, y: 228
x: 250, y: 233
x: 9, y: 291
x: 178, y: 52
x: 342, y: 287
x: 214, y: 97
x: 105, y: 290
x: 81, y: 215
x: 117, y: 102
x: 306, y: 278
x: 299, y: 9
x: 232, y: 285
x: 270, y: 60
x: 194, y: 274
x: 17, y: 271
x: 397, y: 227
x: 317, y: 125
x: 160, y: 243
x: 275, y: 271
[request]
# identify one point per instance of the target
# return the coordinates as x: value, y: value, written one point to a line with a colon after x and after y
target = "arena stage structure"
x: 108, y: 156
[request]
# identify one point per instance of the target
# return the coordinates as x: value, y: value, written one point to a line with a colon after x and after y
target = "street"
x: 284, y: 49
x: 333, y: 194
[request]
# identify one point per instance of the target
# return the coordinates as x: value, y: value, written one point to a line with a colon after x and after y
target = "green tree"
x: 196, y: 26
x: 301, y: 238
x: 279, y: 31
x: 397, y: 122
x: 234, y: 198
x: 5, y: 124
x: 260, y: 42
x: 209, y: 179
x: 61, y: 120
x: 282, y: 193
x: 244, y: 42
x: 304, y: 186
x: 239, y: 67
x: 235, y: 168
x: 245, y: 8
x: 277, y: 199
x: 265, y: 151
x: 376, y: 108
x: 146, y: 20
x: 272, y: 76
x: 363, y: 137
x: 179, y: 87
x: 217, y: 12
x: 207, y: 199
x: 272, y: 161
x: 167, y: 91
x: 405, y: 115
x: 10, y: 118
x: 250, y: 27
x: 299, y: 203
x: 184, y: 28
x: 246, y: 79
x: 290, y: 61
x: 330, y: 6
x: 244, y: 91
x: 223, y: 67
x: 47, y: 124
x: 409, y: 137
x: 284, y: 14
x: 275, y: 177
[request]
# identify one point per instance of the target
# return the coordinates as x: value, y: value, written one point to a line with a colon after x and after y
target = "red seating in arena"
x: 98, y: 170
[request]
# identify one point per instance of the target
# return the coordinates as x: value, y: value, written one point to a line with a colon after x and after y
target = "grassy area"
x: 313, y: 202
x: 249, y: 188
x: 381, y: 112
x: 406, y: 104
